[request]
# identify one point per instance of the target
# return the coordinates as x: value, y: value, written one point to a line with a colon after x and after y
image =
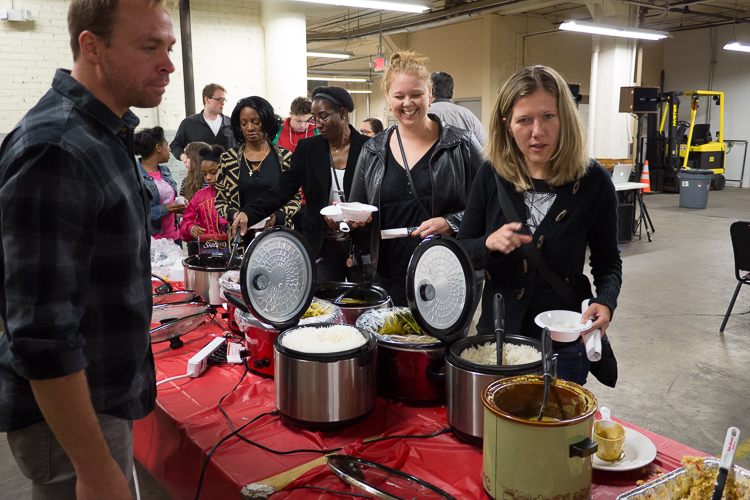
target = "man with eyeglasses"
x: 209, y: 126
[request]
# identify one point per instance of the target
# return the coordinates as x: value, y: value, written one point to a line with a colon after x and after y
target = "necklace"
x: 254, y: 166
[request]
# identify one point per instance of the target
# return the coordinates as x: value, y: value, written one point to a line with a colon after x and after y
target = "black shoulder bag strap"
x: 562, y: 288
x: 408, y: 175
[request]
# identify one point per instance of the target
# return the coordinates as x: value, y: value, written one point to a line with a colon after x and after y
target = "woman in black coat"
x: 312, y: 170
x: 565, y: 201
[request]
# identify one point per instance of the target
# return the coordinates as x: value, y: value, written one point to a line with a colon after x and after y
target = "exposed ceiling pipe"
x: 186, y: 39
x: 431, y: 20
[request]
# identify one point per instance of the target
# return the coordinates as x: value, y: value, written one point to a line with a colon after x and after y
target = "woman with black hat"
x: 323, y: 166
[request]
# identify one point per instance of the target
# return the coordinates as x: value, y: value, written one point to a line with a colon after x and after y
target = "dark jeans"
x: 573, y: 364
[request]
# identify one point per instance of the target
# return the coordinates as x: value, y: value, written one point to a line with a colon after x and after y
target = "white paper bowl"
x: 553, y: 320
x: 260, y: 224
x: 356, y: 212
x: 332, y: 212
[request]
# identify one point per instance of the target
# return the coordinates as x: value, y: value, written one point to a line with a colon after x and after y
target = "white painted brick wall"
x: 228, y: 49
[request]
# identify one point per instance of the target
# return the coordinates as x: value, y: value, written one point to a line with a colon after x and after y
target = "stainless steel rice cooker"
x: 465, y: 381
x: 440, y: 292
x: 319, y: 392
x: 523, y: 458
x: 202, y: 273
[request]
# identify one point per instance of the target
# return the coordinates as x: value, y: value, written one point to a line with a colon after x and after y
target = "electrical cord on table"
x: 234, y: 433
x: 185, y: 375
x: 247, y: 369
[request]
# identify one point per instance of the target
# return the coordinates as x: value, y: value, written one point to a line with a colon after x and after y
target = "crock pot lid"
x: 173, y: 297
x: 178, y: 327
x: 277, y: 277
x: 176, y: 311
x: 440, y: 286
x: 381, y: 481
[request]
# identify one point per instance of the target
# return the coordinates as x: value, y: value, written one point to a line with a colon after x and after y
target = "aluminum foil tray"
x: 670, y: 486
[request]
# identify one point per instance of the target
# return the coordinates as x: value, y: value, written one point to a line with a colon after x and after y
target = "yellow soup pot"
x: 528, y: 460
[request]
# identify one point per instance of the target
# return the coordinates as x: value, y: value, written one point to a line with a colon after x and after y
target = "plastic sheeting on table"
x: 174, y: 440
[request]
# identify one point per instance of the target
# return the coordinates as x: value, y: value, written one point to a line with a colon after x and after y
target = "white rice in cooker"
x: 326, y: 340
x: 486, y: 354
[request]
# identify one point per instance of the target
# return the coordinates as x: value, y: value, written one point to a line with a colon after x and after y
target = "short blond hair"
x: 569, y: 160
x: 405, y: 61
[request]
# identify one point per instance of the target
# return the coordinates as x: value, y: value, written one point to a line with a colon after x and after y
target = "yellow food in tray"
x: 700, y: 481
x: 317, y: 308
x: 401, y: 326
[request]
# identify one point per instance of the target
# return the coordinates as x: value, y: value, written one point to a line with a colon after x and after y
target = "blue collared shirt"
x: 74, y: 257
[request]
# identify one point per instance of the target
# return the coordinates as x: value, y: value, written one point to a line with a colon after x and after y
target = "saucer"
x: 639, y: 451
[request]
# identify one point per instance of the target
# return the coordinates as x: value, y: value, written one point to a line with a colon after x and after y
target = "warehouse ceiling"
x: 338, y: 23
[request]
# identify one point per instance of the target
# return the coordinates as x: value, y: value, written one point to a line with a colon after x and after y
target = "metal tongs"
x: 549, y: 368
x: 235, y: 244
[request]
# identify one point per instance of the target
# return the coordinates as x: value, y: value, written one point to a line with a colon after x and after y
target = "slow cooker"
x: 523, y: 458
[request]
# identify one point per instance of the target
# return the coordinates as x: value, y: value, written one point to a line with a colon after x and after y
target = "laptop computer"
x: 621, y: 174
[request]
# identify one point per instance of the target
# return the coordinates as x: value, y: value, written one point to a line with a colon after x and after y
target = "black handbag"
x: 605, y: 370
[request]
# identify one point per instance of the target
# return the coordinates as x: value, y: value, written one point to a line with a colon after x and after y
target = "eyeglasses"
x: 322, y: 120
x: 217, y: 99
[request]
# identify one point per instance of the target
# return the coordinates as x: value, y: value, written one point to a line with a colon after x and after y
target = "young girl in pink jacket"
x: 200, y: 215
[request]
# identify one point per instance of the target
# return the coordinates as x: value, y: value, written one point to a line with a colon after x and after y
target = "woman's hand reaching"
x: 437, y: 225
x: 506, y: 239
x: 239, y: 223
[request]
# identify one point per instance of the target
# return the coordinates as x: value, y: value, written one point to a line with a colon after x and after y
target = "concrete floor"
x: 678, y: 376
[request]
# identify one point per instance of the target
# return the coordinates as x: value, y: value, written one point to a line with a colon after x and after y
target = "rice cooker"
x: 440, y: 292
x: 523, y: 458
x: 202, y: 273
x: 259, y: 336
x: 354, y: 299
x: 465, y: 381
x: 318, y: 392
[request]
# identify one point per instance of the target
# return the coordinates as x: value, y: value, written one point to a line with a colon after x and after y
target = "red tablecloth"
x: 174, y: 440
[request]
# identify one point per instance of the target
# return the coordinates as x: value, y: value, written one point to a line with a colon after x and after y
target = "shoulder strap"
x: 557, y: 284
x: 408, y: 174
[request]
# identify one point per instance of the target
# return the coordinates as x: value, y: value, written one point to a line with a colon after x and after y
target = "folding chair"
x: 740, y: 233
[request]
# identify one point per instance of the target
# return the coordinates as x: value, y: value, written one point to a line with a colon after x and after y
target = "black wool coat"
x: 310, y: 170
x: 583, y: 214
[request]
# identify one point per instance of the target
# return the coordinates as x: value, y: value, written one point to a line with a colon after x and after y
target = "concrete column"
x: 286, y: 46
x: 612, y: 67
x: 611, y: 129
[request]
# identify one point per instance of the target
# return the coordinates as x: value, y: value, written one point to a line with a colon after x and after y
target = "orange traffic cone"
x: 645, y: 179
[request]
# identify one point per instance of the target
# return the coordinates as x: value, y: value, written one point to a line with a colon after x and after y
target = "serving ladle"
x: 548, y: 368
x: 498, y: 309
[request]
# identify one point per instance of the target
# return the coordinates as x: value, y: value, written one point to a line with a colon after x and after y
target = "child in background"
x: 194, y: 180
x: 200, y: 215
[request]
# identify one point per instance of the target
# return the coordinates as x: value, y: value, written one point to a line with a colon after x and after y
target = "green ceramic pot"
x: 528, y: 460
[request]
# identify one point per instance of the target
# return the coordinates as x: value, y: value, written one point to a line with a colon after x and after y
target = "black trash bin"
x: 694, y: 187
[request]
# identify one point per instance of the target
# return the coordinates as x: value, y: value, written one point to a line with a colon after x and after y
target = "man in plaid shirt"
x: 76, y: 366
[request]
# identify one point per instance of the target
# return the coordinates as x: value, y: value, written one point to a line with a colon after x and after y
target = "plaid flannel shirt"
x: 74, y: 257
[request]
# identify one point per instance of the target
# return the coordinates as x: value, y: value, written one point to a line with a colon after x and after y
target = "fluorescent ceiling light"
x: 336, y: 79
x: 740, y: 47
x: 333, y: 54
x: 601, y: 29
x: 398, y: 6
x: 359, y: 91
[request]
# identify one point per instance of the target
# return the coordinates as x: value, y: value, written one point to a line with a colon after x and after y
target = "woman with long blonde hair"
x: 559, y: 202
x: 418, y: 173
